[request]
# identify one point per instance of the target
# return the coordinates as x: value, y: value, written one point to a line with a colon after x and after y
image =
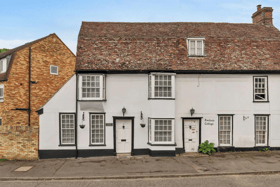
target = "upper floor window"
x: 1, y: 121
x: 1, y: 92
x: 260, y: 89
x: 92, y: 87
x: 162, y: 85
x: 195, y: 46
x: 54, y: 70
x: 3, y: 65
x: 161, y: 131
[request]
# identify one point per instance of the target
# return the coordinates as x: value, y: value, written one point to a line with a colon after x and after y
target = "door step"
x: 123, y: 155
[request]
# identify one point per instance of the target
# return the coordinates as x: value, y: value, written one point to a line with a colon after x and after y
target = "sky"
x: 28, y: 20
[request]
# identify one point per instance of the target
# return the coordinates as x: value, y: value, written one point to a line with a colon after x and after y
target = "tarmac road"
x: 214, y: 181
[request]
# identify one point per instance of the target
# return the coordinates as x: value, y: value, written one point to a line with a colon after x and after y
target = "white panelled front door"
x: 191, y: 135
x: 123, y: 136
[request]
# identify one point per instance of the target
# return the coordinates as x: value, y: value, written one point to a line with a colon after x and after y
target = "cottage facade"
x: 164, y: 88
x: 29, y: 76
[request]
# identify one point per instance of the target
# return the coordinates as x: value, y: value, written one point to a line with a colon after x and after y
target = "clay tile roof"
x: 4, y: 76
x: 162, y: 46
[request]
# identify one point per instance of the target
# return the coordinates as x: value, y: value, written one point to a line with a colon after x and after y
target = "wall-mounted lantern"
x: 141, y: 117
x: 83, y: 119
x: 123, y: 110
x: 192, y: 111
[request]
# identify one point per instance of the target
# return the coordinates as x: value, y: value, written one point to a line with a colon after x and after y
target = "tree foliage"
x: 3, y: 50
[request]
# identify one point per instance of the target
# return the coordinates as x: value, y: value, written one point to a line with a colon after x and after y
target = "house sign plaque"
x: 209, y: 122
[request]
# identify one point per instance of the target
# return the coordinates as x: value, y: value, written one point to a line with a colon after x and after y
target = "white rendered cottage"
x: 164, y: 88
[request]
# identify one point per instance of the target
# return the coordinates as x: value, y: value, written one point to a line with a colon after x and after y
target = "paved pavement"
x: 185, y: 165
x: 213, y: 181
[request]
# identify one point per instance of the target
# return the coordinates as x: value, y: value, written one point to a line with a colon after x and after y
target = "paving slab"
x: 144, y: 166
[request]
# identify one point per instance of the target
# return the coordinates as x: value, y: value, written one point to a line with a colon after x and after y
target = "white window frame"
x: 102, y: 96
x: 266, y: 130
x: 103, y: 119
x: 51, y: 70
x: 151, y: 132
x: 2, y: 97
x: 265, y: 87
x: 4, y: 65
x: 151, y: 83
x: 60, y: 128
x: 231, y: 127
x: 195, y: 40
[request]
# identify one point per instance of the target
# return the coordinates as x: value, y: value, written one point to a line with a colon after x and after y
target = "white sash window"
x: 161, y: 131
x: 162, y: 85
x: 225, y: 130
x: 260, y: 89
x: 261, y: 127
x: 67, y: 129
x: 92, y: 87
x: 3, y: 65
x: 97, y: 129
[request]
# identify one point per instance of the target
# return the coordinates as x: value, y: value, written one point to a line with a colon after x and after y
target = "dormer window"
x: 3, y: 65
x: 196, y: 46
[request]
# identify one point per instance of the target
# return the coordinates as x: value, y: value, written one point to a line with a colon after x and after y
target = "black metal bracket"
x: 33, y: 82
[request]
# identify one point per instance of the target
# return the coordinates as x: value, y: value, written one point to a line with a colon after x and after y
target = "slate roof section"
x: 120, y: 46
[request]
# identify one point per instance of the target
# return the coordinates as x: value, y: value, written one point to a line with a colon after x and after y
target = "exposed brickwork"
x: 19, y: 142
x: 46, y: 52
x: 263, y: 16
x: 162, y: 46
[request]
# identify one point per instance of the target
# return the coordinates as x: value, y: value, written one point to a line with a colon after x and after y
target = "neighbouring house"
x: 164, y: 88
x: 29, y: 76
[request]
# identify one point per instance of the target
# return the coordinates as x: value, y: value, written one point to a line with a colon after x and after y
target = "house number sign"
x: 209, y: 122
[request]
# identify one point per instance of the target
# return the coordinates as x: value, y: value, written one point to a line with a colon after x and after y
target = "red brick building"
x: 29, y: 76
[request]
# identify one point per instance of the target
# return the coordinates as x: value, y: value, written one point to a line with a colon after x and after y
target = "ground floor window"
x: 225, y: 130
x: 261, y: 126
x: 161, y: 131
x: 97, y: 129
x: 67, y: 129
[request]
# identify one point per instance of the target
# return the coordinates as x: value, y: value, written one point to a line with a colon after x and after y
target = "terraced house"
x: 29, y: 76
x: 164, y: 88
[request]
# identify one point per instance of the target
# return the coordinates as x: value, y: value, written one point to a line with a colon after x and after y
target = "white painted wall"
x: 209, y: 95
x: 63, y: 101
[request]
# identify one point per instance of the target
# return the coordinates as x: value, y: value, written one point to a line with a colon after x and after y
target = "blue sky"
x: 25, y: 21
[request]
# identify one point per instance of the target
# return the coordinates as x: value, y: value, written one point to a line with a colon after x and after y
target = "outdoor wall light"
x: 192, y: 111
x: 83, y: 119
x: 141, y: 118
x: 123, y: 110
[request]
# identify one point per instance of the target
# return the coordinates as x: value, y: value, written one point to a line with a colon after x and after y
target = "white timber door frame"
x: 121, y: 118
x: 199, y: 131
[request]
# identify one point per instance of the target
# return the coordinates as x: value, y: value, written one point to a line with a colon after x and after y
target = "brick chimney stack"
x: 263, y: 15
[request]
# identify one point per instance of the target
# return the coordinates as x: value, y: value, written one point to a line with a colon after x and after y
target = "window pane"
x: 67, y: 129
x: 91, y: 86
x: 225, y: 126
x: 97, y: 128
x: 162, y: 86
x: 163, y: 130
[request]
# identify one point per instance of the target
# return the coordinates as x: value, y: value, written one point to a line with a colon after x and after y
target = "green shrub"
x: 207, y: 148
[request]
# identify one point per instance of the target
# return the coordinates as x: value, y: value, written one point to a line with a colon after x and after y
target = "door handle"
x: 190, y: 127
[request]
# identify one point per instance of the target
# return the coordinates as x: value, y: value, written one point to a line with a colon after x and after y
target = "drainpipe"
x: 76, y: 129
x: 29, y: 84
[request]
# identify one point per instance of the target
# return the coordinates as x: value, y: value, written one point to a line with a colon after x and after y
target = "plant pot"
x: 143, y: 125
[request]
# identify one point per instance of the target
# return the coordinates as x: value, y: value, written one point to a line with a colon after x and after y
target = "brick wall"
x: 19, y: 142
x: 49, y: 51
